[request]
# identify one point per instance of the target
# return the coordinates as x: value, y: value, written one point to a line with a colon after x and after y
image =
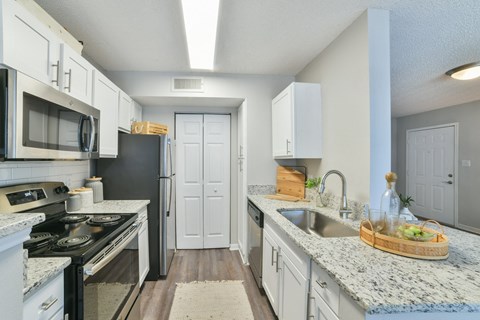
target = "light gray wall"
x: 468, y: 117
x: 258, y: 91
x: 354, y: 74
x: 165, y: 115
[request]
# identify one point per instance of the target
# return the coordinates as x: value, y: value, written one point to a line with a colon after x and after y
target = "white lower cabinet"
x: 285, y: 275
x: 47, y: 302
x: 270, y: 269
x: 143, y: 256
x: 319, y: 310
x: 293, y: 291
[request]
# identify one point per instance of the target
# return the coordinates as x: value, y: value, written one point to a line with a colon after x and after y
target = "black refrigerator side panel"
x: 133, y: 175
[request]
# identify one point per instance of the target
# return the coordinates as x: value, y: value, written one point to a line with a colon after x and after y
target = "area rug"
x: 199, y: 300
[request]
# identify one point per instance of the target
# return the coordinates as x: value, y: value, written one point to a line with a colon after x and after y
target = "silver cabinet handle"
x: 273, y: 250
x: 56, y: 65
x: 288, y: 143
x: 276, y: 266
x: 322, y: 284
x: 448, y: 182
x: 47, y: 304
x: 69, y: 87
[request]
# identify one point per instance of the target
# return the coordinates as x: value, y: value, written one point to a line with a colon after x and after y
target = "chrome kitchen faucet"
x: 344, y: 210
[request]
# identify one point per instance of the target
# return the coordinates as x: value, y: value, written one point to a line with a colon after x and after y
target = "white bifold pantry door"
x: 203, y: 181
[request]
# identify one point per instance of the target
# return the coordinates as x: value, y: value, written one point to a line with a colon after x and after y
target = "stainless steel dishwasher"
x: 255, y: 241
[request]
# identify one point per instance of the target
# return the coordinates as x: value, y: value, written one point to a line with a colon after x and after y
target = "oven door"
x: 44, y: 123
x: 110, y: 285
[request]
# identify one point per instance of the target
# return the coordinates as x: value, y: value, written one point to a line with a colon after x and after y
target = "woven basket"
x: 147, y: 127
x: 435, y: 249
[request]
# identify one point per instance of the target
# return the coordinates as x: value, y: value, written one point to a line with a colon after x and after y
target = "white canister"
x: 86, y: 195
x: 74, y: 201
x: 97, y: 186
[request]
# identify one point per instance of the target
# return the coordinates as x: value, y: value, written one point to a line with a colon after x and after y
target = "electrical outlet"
x: 466, y: 163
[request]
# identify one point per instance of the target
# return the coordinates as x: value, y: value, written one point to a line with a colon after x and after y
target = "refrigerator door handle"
x: 170, y: 155
x: 170, y: 200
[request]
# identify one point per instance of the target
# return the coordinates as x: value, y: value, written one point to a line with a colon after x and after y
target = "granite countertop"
x: 14, y: 222
x: 115, y: 206
x: 384, y: 283
x: 40, y: 271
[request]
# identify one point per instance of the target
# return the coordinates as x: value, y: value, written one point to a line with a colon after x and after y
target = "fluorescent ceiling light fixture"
x: 201, y: 18
x: 466, y: 72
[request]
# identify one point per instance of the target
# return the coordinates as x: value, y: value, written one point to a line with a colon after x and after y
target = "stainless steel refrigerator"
x: 144, y: 169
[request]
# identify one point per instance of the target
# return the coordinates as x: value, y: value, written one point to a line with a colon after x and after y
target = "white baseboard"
x: 237, y: 247
x: 468, y: 228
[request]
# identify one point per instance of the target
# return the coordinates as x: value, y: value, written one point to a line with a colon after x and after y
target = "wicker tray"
x: 147, y: 127
x: 436, y: 249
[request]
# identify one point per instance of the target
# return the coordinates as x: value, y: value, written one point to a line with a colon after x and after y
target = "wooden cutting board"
x: 290, y: 182
x: 284, y: 197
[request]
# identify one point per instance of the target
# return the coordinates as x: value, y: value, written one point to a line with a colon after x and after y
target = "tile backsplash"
x: 72, y: 173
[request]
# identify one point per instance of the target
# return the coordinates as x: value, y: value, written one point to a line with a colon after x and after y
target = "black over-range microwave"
x: 39, y: 122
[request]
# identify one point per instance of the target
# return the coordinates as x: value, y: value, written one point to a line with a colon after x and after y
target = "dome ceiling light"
x: 468, y: 71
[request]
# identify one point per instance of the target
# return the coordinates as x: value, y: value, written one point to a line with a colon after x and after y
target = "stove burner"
x: 38, y: 240
x: 105, y: 220
x: 74, y: 242
x: 70, y: 219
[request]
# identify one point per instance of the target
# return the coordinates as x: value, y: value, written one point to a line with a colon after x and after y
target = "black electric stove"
x: 78, y: 236
x: 103, y: 249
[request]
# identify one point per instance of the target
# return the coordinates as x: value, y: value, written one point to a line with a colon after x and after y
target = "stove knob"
x: 58, y: 190
x: 65, y: 189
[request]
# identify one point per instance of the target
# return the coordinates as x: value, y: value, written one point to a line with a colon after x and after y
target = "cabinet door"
x: 28, y: 45
x: 319, y: 310
x: 105, y: 98
x: 270, y: 270
x: 124, y: 107
x: 77, y: 75
x: 143, y: 257
x: 282, y: 124
x: 137, y: 112
x: 293, y: 291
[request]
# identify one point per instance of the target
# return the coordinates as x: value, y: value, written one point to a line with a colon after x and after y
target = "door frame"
x: 455, y: 126
x: 231, y: 169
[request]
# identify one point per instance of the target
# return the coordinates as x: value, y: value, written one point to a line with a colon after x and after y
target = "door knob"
x: 447, y: 182
x: 450, y: 175
x: 215, y: 190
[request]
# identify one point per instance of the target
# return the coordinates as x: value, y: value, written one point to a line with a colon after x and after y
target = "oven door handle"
x: 111, y: 251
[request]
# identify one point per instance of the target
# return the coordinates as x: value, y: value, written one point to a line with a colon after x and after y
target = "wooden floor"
x: 191, y: 265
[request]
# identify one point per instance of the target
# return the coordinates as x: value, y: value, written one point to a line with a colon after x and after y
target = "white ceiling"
x: 428, y: 37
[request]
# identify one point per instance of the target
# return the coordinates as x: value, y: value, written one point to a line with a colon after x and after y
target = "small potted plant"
x: 406, y: 202
x: 313, y: 183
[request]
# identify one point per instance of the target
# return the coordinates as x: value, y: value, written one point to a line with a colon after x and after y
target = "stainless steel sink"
x: 313, y: 222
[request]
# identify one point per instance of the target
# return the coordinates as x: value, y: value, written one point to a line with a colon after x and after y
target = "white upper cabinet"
x: 77, y: 75
x: 105, y: 98
x: 297, y: 122
x: 125, y: 105
x: 27, y: 45
x: 137, y: 112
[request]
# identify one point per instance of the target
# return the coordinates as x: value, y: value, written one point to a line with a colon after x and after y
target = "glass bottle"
x: 390, y: 202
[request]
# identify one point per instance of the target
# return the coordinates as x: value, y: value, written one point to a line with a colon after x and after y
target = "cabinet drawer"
x: 46, y: 302
x: 326, y: 288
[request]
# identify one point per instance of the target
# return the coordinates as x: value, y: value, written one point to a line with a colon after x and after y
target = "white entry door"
x: 189, y: 146
x: 216, y: 224
x: 431, y: 173
x: 203, y: 181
